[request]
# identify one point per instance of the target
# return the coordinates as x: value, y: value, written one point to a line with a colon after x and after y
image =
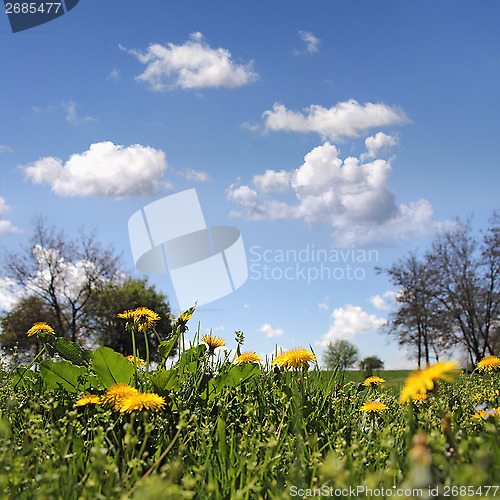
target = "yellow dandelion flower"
x: 421, y: 381
x: 373, y: 407
x: 371, y: 381
x: 281, y: 359
x: 140, y: 401
x: 248, y: 357
x: 142, y: 316
x: 183, y: 317
x: 126, y: 314
x: 140, y: 362
x: 419, y: 397
x: 489, y: 363
x: 295, y: 358
x: 91, y: 399
x: 213, y: 342
x: 40, y: 328
x: 145, y: 317
x: 116, y: 393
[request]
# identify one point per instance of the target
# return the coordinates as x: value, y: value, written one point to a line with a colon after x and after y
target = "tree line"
x: 450, y: 295
x: 78, y: 287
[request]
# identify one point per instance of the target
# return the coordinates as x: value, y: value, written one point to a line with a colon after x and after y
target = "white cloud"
x: 377, y: 144
x: 243, y: 195
x: 10, y: 293
x: 193, y: 65
x: 6, y: 226
x: 114, y: 75
x: 195, y: 175
x: 252, y: 127
x: 349, y: 321
x: 383, y: 302
x: 323, y: 306
x: 216, y: 329
x: 401, y: 363
x: 66, y: 285
x: 312, y: 43
x: 72, y: 117
x: 354, y: 198
x: 4, y: 208
x: 272, y: 181
x: 345, y: 119
x: 105, y: 169
x: 4, y: 149
x: 271, y: 332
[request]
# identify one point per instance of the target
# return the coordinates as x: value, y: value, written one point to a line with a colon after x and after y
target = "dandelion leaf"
x: 24, y: 377
x: 112, y: 367
x: 191, y: 359
x: 68, y: 350
x: 165, y: 380
x: 165, y: 347
x: 63, y: 374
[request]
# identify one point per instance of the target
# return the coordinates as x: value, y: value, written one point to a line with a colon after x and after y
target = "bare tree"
x: 63, y: 273
x: 452, y: 295
x: 466, y: 282
x: 418, y: 322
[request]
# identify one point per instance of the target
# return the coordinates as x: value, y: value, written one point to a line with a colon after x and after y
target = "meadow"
x: 97, y: 425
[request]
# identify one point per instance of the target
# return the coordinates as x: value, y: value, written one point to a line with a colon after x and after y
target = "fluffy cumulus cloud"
x: 352, y: 196
x: 312, y: 43
x: 66, y: 284
x: 272, y: 181
x: 349, y: 321
x: 383, y: 302
x: 105, y: 169
x: 378, y: 143
x: 10, y: 293
x: 192, y: 65
x: 6, y: 226
x: 270, y: 332
x: 345, y: 119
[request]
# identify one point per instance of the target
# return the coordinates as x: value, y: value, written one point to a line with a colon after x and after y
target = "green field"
x: 393, y: 378
x: 209, y: 428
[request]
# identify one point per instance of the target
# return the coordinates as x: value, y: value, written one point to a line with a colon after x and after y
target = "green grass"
x: 393, y: 378
x: 238, y: 432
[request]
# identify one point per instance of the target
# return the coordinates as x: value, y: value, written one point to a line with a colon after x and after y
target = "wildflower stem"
x: 147, y: 350
x: 132, y: 331
x: 153, y: 467
x: 29, y: 366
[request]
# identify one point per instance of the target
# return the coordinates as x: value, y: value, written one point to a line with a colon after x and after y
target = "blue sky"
x: 362, y: 126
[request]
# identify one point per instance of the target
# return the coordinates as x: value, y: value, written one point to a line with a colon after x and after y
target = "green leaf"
x: 112, y: 367
x: 191, y: 359
x: 63, y: 373
x: 237, y: 374
x: 221, y: 438
x: 164, y: 380
x: 68, y: 350
x: 24, y: 377
x: 165, y: 347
